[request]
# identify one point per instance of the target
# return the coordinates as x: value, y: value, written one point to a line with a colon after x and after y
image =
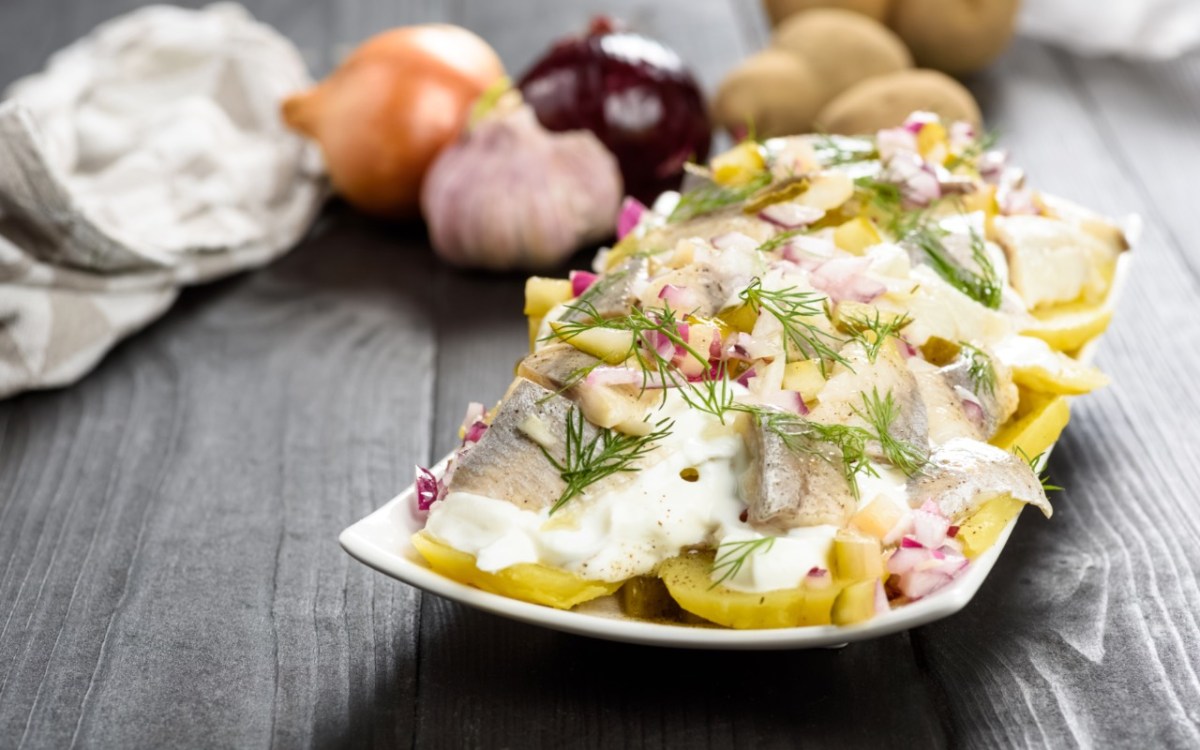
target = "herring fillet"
x: 963, y: 474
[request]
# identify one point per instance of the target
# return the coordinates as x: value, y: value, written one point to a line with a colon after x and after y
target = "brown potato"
x: 774, y: 92
x: 884, y: 101
x: 954, y: 36
x: 841, y: 47
x: 778, y: 10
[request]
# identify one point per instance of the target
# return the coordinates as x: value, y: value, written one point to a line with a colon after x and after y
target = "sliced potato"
x: 980, y: 531
x: 1039, y: 420
x: 525, y: 581
x: 738, y: 165
x: 855, y: 603
x: 1039, y: 368
x: 856, y: 235
x: 542, y: 294
x: 609, y: 344
x: 687, y: 578
x: 1068, y: 327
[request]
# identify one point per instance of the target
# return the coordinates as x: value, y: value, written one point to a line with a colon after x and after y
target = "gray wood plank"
x: 170, y: 574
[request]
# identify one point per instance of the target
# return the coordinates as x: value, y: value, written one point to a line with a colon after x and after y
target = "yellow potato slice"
x: 980, y: 531
x: 1068, y: 327
x: 1039, y: 420
x: 1039, y: 368
x: 687, y: 578
x: 542, y: 294
x: 525, y: 581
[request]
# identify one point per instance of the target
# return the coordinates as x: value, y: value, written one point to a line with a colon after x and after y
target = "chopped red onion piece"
x: 952, y: 531
x: 881, y: 600
x: 892, y: 141
x: 787, y: 400
x: 843, y: 279
x: 921, y: 583
x: 581, y: 281
x: 627, y: 376
x: 631, y: 214
x: 974, y: 412
x: 930, y: 528
x: 744, y: 378
x: 908, y: 350
x: 475, y: 413
x: 991, y: 165
x: 917, y: 121
x: 429, y: 488
x: 962, y: 135
x: 909, y: 542
x: 679, y: 298
x: 790, y: 215
x: 905, y: 559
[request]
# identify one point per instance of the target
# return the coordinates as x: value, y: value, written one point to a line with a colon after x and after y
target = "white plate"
x: 381, y: 540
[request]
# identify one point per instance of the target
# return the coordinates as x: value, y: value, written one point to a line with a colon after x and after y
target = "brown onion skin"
x: 635, y: 94
x: 384, y: 114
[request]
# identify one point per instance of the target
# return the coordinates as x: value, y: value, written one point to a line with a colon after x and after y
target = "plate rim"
x: 362, y: 541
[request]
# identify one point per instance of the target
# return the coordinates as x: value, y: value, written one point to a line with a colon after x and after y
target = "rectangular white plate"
x: 381, y: 540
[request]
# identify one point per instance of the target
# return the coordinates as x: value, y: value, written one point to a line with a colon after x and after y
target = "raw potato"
x: 884, y: 102
x: 955, y: 36
x: 779, y: 10
x: 842, y: 47
x: 774, y: 92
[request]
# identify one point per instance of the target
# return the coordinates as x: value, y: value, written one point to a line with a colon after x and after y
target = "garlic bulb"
x: 511, y: 194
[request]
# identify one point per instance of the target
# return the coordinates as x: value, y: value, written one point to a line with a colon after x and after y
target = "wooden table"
x: 169, y: 570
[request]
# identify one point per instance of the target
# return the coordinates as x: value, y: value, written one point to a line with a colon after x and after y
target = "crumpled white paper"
x: 147, y: 155
x: 1150, y: 29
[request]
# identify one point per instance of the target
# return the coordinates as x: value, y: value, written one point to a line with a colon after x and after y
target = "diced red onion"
x: 921, y: 583
x: 787, y: 400
x: 930, y: 528
x: 581, y: 281
x: 917, y: 121
x: 843, y: 279
x: 909, y: 542
x: 744, y: 378
x: 475, y: 432
x: 892, y: 141
x: 734, y: 241
x: 679, y: 298
x: 631, y: 214
x: 818, y: 578
x: 991, y: 165
x: 881, y: 600
x: 429, y: 488
x: 905, y: 559
x: 790, y: 215
x: 908, y: 350
x: 974, y: 412
x: 474, y: 414
x: 962, y: 135
x: 952, y: 531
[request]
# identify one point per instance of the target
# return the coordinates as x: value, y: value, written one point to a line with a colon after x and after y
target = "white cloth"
x: 1151, y: 29
x: 148, y: 155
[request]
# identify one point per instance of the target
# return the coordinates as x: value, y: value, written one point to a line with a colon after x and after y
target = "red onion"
x: 893, y: 141
x: 881, y: 600
x: 744, y: 378
x: 952, y: 531
x: 790, y: 215
x: 930, y: 528
x: 631, y: 214
x: 786, y: 400
x: 991, y: 165
x: 429, y: 488
x: 581, y: 280
x: 905, y: 559
x: 843, y: 279
x: 678, y: 297
x: 962, y: 135
x: 634, y: 93
x: 974, y: 412
x: 474, y: 414
x: 917, y: 121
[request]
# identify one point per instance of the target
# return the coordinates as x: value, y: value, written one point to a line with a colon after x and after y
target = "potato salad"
x: 811, y: 388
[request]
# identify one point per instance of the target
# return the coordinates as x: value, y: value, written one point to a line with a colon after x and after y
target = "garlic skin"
x: 512, y: 195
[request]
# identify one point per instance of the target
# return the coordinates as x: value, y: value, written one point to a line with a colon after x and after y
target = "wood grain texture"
x: 169, y: 573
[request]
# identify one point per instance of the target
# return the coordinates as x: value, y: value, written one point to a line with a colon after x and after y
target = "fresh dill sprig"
x: 880, y: 412
x: 1039, y: 471
x: 710, y: 196
x: 792, y: 308
x: 804, y: 435
x: 778, y: 240
x: 711, y: 394
x: 836, y: 150
x: 977, y: 148
x: 873, y: 332
x: 984, y: 287
x: 732, y: 556
x: 586, y: 462
x: 980, y: 369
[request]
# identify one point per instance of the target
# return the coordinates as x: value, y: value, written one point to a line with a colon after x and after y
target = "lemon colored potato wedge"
x: 688, y: 580
x: 542, y: 294
x: 525, y: 581
x: 1039, y: 420
x: 979, y: 532
x: 1068, y: 327
x: 1039, y: 368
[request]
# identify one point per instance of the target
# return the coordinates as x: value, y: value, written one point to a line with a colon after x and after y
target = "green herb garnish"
x: 778, y: 240
x: 731, y: 556
x: 984, y: 287
x: 1036, y: 466
x: 980, y: 369
x: 794, y: 309
x: 879, y: 331
x: 880, y: 413
x: 836, y: 150
x: 803, y: 435
x: 586, y: 462
x: 711, y: 196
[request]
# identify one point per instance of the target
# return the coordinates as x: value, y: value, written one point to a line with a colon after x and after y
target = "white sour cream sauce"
x: 630, y: 529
